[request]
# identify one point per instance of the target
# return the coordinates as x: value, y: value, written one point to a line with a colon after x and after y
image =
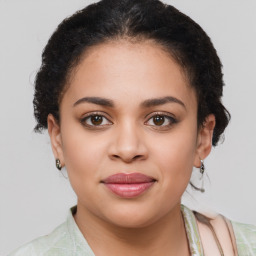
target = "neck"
x: 166, y: 236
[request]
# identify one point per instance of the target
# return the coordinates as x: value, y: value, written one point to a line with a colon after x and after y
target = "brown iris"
x: 158, y: 120
x: 96, y: 120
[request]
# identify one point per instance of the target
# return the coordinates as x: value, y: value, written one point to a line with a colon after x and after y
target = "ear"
x: 55, y: 136
x: 204, y: 140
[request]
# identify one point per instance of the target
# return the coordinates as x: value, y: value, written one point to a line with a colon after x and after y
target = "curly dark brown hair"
x: 133, y: 20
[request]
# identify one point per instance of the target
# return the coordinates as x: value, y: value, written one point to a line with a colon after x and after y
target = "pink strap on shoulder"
x: 231, y: 234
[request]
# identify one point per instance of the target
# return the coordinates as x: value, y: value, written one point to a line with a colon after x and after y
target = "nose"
x: 128, y: 144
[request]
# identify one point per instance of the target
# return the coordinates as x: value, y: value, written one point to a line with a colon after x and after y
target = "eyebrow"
x: 145, y: 104
x: 160, y: 101
x: 96, y: 100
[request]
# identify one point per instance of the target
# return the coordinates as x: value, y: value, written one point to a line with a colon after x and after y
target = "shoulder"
x: 64, y: 240
x: 245, y: 235
x: 230, y: 235
x: 242, y: 236
x: 45, y: 245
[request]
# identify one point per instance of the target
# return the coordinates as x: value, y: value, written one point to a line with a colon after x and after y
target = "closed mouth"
x: 128, y: 185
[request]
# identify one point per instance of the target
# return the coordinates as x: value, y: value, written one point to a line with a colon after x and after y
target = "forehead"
x: 119, y: 68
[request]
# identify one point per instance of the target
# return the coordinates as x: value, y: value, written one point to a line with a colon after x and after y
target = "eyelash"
x: 171, y: 121
x: 91, y: 126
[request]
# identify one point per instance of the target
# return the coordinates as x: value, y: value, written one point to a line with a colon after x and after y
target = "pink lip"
x: 128, y: 185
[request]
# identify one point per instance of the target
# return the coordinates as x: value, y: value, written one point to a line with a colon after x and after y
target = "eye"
x: 161, y: 121
x: 94, y: 120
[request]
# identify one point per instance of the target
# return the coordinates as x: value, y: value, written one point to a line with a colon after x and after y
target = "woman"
x: 130, y: 92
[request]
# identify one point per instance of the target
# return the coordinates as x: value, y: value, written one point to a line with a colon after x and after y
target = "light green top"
x: 67, y: 239
x: 245, y: 239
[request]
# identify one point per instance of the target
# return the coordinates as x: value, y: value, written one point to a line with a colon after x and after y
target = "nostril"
x: 136, y: 157
x: 127, y: 159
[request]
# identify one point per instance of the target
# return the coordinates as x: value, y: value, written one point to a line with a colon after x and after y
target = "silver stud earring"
x: 58, y: 164
x: 202, y: 170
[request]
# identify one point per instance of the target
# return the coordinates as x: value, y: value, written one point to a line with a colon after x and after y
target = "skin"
x: 129, y: 140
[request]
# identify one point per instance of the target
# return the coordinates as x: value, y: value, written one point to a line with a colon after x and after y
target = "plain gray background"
x: 35, y: 197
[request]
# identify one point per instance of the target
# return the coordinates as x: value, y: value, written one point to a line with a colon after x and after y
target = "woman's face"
x: 129, y: 116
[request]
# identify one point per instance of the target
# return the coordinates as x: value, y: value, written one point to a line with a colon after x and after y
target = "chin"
x: 132, y: 217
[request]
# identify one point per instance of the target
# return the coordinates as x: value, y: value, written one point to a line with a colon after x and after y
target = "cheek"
x: 174, y: 155
x: 84, y: 157
x: 83, y: 154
